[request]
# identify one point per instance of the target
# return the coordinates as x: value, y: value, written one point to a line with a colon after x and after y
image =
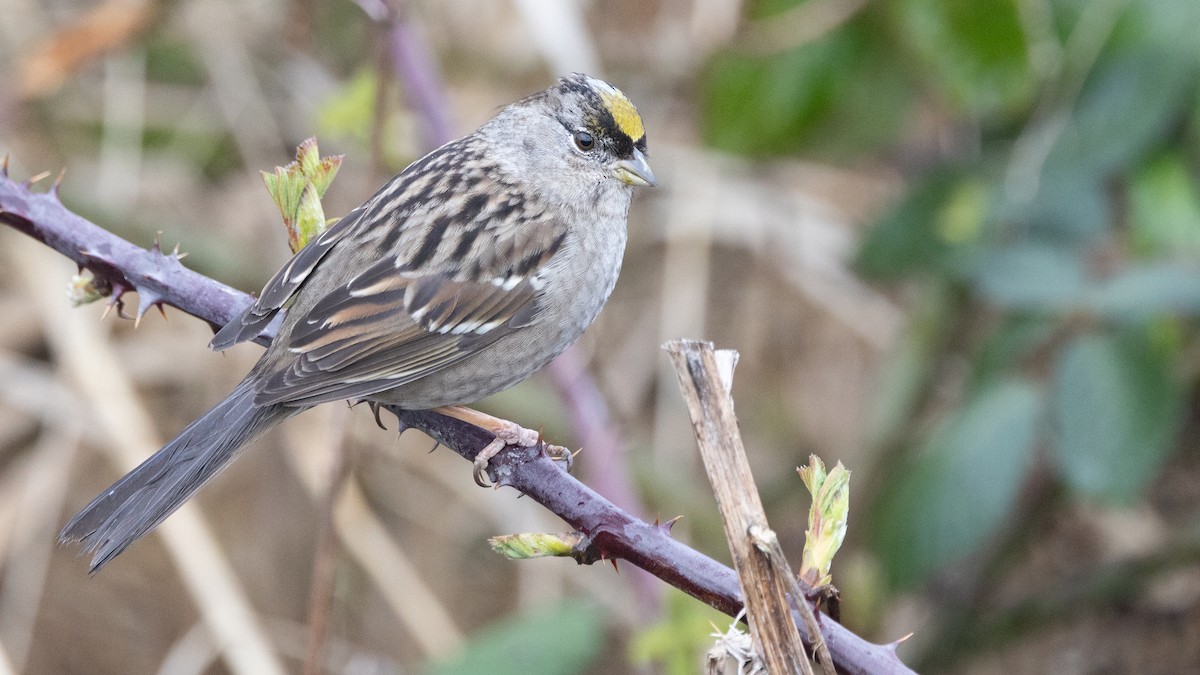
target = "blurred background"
x: 956, y: 242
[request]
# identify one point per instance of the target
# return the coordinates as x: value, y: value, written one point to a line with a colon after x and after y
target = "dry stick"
x: 765, y: 585
x: 612, y: 532
x: 767, y: 543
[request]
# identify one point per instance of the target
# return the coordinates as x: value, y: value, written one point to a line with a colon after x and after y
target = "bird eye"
x: 584, y: 141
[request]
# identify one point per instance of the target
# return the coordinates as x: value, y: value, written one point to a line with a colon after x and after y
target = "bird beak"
x: 634, y: 171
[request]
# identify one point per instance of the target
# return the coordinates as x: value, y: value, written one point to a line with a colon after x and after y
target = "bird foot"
x: 506, y: 433
x: 509, y: 433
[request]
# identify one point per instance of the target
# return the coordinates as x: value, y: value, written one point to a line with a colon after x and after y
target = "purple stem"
x: 418, y: 73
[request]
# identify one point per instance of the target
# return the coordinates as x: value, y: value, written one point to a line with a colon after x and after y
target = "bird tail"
x: 142, y: 499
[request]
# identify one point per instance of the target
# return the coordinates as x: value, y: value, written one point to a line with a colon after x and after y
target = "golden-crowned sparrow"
x: 467, y: 272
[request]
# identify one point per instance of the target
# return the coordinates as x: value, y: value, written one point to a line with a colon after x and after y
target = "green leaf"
x: 310, y: 218
x: 348, y: 112
x: 975, y: 51
x: 675, y: 643
x: 1164, y: 27
x: 1030, y: 277
x: 1011, y: 344
x: 908, y: 368
x: 827, y: 518
x: 843, y: 93
x: 286, y: 190
x: 526, y: 545
x: 562, y: 639
x: 1148, y: 291
x: 962, y: 488
x: 297, y: 190
x: 909, y: 239
x: 1070, y: 207
x: 1054, y: 280
x: 1165, y: 207
x: 1116, y: 414
x: 1125, y: 108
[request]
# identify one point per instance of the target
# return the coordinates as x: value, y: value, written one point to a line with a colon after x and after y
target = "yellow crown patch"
x: 624, y: 114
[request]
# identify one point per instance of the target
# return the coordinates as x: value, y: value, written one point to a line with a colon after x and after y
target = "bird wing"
x: 397, y: 321
x: 280, y: 289
x: 441, y: 262
x: 400, y: 195
x: 386, y: 329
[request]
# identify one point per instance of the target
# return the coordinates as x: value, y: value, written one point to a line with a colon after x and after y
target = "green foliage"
x: 348, y: 112
x: 297, y: 190
x: 909, y: 240
x: 676, y: 644
x: 962, y: 487
x: 974, y: 51
x: 1165, y: 208
x: 1116, y: 411
x: 827, y: 518
x: 840, y: 91
x: 562, y: 639
x: 1057, y: 252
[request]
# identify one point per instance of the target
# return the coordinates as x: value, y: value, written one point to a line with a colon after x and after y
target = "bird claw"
x: 481, y: 462
x: 560, y: 454
x: 521, y: 437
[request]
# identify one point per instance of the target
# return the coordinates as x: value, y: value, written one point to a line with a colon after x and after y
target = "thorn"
x: 436, y: 445
x: 614, y: 564
x: 665, y: 528
x: 157, y: 247
x: 891, y: 646
x: 146, y: 300
x: 162, y: 311
x: 34, y: 179
x: 114, y: 299
x: 576, y: 454
x: 57, y: 182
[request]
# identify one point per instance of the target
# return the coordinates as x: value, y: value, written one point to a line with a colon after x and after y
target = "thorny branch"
x: 160, y: 279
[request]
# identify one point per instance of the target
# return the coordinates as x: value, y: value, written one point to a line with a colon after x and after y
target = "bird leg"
x: 506, y: 432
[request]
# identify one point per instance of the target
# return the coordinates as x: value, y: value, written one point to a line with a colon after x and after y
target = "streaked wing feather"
x: 280, y: 289
x: 387, y: 328
x: 457, y: 256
